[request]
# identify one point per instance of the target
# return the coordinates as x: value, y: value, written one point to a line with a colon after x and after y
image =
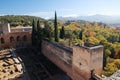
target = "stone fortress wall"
x: 59, y: 55
x: 80, y: 62
x: 87, y: 61
x: 9, y: 39
x: 15, y: 39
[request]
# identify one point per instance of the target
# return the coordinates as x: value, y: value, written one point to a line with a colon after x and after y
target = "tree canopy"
x: 16, y: 20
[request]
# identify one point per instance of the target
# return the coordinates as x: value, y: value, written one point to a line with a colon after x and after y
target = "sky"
x: 65, y: 8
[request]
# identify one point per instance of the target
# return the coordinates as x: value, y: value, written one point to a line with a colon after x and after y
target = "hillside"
x: 16, y: 20
x: 112, y: 20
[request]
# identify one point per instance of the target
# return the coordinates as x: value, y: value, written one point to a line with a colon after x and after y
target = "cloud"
x: 2, y: 14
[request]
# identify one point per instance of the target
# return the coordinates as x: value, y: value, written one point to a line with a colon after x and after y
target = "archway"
x: 2, y: 40
x: 18, y: 38
x: 11, y: 39
x: 24, y: 38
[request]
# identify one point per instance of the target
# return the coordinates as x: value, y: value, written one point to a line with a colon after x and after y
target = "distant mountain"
x: 97, y: 18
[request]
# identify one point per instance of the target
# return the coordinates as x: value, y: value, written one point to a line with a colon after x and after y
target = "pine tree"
x: 56, y: 29
x: 62, y: 32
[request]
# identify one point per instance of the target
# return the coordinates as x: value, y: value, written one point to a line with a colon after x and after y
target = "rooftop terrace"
x: 87, y: 45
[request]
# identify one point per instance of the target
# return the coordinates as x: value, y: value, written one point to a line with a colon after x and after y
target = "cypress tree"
x: 62, y: 32
x: 56, y: 29
x: 81, y: 34
x: 38, y: 26
x: 39, y: 35
x: 46, y: 30
x: 119, y: 38
x: 70, y: 38
x: 34, y: 33
x: 39, y: 30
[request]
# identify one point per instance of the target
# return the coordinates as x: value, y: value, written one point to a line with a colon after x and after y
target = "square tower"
x: 87, y: 60
x: 5, y: 28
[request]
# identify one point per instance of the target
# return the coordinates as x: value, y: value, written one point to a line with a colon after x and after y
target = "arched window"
x: 18, y: 38
x: 11, y: 39
x: 2, y: 41
x: 24, y: 38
